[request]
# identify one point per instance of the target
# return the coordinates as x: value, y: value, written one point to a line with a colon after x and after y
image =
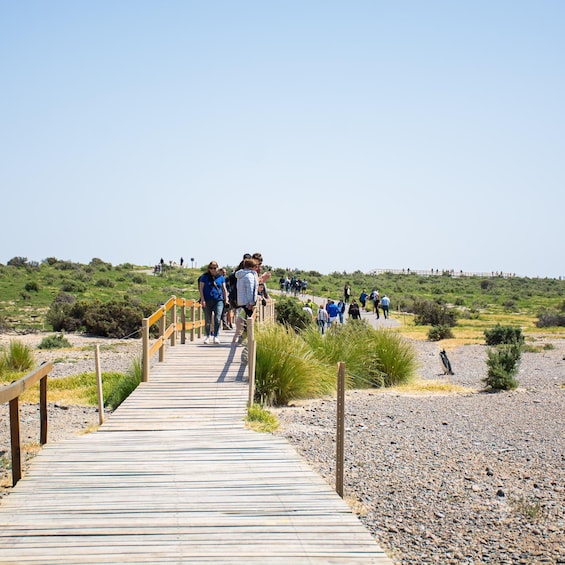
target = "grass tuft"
x: 261, y: 420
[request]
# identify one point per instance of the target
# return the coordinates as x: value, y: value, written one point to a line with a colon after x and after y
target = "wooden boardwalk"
x: 174, y: 476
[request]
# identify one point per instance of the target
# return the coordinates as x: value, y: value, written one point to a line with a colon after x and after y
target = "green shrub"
x: 436, y: 333
x: 58, y: 341
x: 432, y: 313
x: 120, y: 386
x: 17, y: 262
x: 261, y: 420
x: 105, y: 283
x: 31, y: 286
x: 289, y: 311
x: 550, y: 319
x: 17, y: 358
x: 286, y: 369
x: 503, y: 362
x: 117, y: 318
x: 73, y: 286
x: 500, y: 335
x: 372, y: 357
x: 65, y: 314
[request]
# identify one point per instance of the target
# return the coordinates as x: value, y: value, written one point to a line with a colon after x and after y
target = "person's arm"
x: 201, y: 289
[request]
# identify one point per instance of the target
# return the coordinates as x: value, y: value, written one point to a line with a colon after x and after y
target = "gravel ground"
x: 463, y: 478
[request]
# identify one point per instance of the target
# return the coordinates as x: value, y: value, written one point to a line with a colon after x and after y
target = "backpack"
x: 231, y: 283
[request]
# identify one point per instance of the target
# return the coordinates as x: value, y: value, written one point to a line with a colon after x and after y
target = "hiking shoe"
x: 216, y: 340
x: 207, y: 340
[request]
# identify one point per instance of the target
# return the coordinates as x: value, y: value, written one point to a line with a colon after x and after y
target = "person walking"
x: 341, y: 310
x: 247, y: 292
x: 346, y: 293
x: 385, y: 303
x: 354, y: 312
x: 333, y: 313
x: 322, y: 319
x: 363, y: 298
x: 213, y: 294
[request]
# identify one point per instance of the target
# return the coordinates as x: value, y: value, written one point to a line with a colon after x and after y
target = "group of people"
x: 292, y: 284
x: 377, y: 302
x: 333, y: 312
x: 228, y: 300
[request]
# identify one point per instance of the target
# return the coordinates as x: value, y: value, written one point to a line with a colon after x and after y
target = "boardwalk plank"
x: 174, y: 476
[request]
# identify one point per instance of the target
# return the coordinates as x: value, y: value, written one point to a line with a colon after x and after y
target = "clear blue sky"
x: 328, y: 135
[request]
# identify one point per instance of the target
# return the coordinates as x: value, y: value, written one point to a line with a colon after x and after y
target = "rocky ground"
x: 464, y: 478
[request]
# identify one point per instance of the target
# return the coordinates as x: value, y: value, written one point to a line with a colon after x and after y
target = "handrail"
x: 11, y: 393
x: 192, y: 323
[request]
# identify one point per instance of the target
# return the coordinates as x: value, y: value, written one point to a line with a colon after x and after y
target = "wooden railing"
x: 11, y: 393
x: 191, y: 320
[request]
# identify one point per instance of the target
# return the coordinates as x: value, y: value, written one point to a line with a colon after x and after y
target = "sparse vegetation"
x: 261, y: 420
x: 57, y: 341
x: 503, y: 362
x: 438, y: 333
x: 504, y: 335
x: 17, y: 358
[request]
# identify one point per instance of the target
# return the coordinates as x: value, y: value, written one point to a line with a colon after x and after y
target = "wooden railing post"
x: 251, y: 358
x: 15, y: 440
x: 145, y: 350
x: 162, y: 329
x: 43, y: 410
x: 339, y: 460
x: 174, y: 322
x: 183, y: 322
x: 99, y: 384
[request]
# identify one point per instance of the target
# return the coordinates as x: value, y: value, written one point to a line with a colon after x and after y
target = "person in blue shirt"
x: 213, y: 294
x: 333, y: 312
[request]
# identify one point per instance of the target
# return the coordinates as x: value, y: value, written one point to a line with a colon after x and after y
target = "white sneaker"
x: 207, y: 340
x: 216, y: 340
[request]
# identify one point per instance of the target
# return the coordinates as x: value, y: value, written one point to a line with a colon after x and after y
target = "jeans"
x: 215, y: 307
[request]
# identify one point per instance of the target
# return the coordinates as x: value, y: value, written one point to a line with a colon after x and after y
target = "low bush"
x: 550, y: 319
x: 105, y: 283
x: 58, y: 341
x: 113, y: 319
x: 289, y: 311
x: 500, y: 335
x: 117, y: 318
x: 503, y: 362
x: 18, y: 357
x: 432, y: 313
x: 438, y: 333
x: 261, y: 420
x: 31, y: 286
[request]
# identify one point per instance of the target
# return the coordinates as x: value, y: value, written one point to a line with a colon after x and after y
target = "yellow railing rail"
x: 191, y: 322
